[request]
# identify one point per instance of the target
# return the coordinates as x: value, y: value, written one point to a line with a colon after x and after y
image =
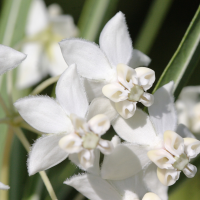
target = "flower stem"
x: 44, y: 85
x: 4, y: 105
x: 5, y: 163
x: 30, y: 128
x: 43, y: 175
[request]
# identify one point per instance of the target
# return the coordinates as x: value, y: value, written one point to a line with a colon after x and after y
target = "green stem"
x: 44, y: 85
x: 43, y: 175
x: 5, y: 162
x: 28, y: 127
x: 4, y: 106
x: 152, y: 24
x: 5, y: 121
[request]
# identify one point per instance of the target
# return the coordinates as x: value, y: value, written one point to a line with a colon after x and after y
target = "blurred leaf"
x: 185, y: 58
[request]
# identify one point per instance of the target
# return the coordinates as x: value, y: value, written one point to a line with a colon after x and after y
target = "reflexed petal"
x: 127, y: 76
x: 45, y: 154
x: 93, y: 88
x: 57, y: 64
x: 190, y: 170
x: 32, y: 70
x: 147, y: 99
x: 133, y: 158
x: 145, y: 76
x: 86, y: 158
x: 115, y: 141
x: 162, y: 112
x: 192, y: 147
x: 71, y: 143
x: 105, y: 146
x: 4, y: 187
x: 174, y: 143
x: 44, y: 114
x: 139, y: 59
x: 184, y: 132
x: 93, y: 187
x: 37, y: 18
x: 135, y: 129
x: 115, y: 40
x: 115, y: 92
x: 70, y: 92
x: 168, y: 176
x: 99, y: 124
x: 126, y: 108
x: 161, y: 158
x: 151, y: 196
x: 152, y: 182
x: 102, y: 106
x: 9, y: 58
x: 64, y: 26
x: 91, y: 61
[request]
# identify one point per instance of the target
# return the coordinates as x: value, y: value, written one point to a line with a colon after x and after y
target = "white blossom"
x: 105, y: 67
x: 155, y: 137
x: 9, y: 58
x: 4, y: 187
x: 72, y: 127
x: 188, y: 107
x: 44, y: 29
x: 94, y: 187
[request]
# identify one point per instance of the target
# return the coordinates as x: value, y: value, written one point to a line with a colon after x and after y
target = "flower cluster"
x: 101, y: 87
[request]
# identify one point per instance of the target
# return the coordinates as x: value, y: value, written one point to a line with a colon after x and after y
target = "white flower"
x: 94, y: 187
x: 4, y: 187
x: 188, y: 107
x: 71, y: 125
x: 9, y: 58
x: 157, y: 136
x: 45, y: 28
x: 106, y: 69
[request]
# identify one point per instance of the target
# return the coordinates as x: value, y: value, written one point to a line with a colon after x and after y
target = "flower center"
x: 135, y: 93
x: 181, y: 162
x: 90, y: 140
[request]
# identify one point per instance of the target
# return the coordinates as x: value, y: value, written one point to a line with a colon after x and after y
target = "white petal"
x: 32, y: 70
x: 93, y: 187
x: 184, y: 132
x: 124, y: 161
x: 138, y: 129
x: 44, y: 114
x: 54, y: 10
x: 168, y: 176
x: 95, y: 169
x: 105, y: 146
x: 64, y: 26
x: 57, y: 64
x: 4, y: 187
x: 139, y: 59
x: 151, y: 196
x: 147, y: 99
x: 115, y: 40
x: 37, y: 18
x: 162, y: 112
x: 153, y: 184
x: 162, y: 158
x: 99, y: 124
x: 126, y: 108
x: 71, y: 143
x: 130, y: 195
x: 115, y: 141
x: 192, y: 147
x: 86, y: 158
x: 146, y: 77
x: 102, y: 106
x: 70, y: 92
x: 115, y: 92
x: 190, y: 170
x: 90, y: 60
x: 9, y: 58
x: 93, y: 88
x: 126, y: 76
x: 45, y: 154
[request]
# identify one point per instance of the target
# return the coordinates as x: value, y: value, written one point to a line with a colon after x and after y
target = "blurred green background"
x: 167, y: 39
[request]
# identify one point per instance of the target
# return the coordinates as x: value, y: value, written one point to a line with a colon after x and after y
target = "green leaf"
x: 185, y: 59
